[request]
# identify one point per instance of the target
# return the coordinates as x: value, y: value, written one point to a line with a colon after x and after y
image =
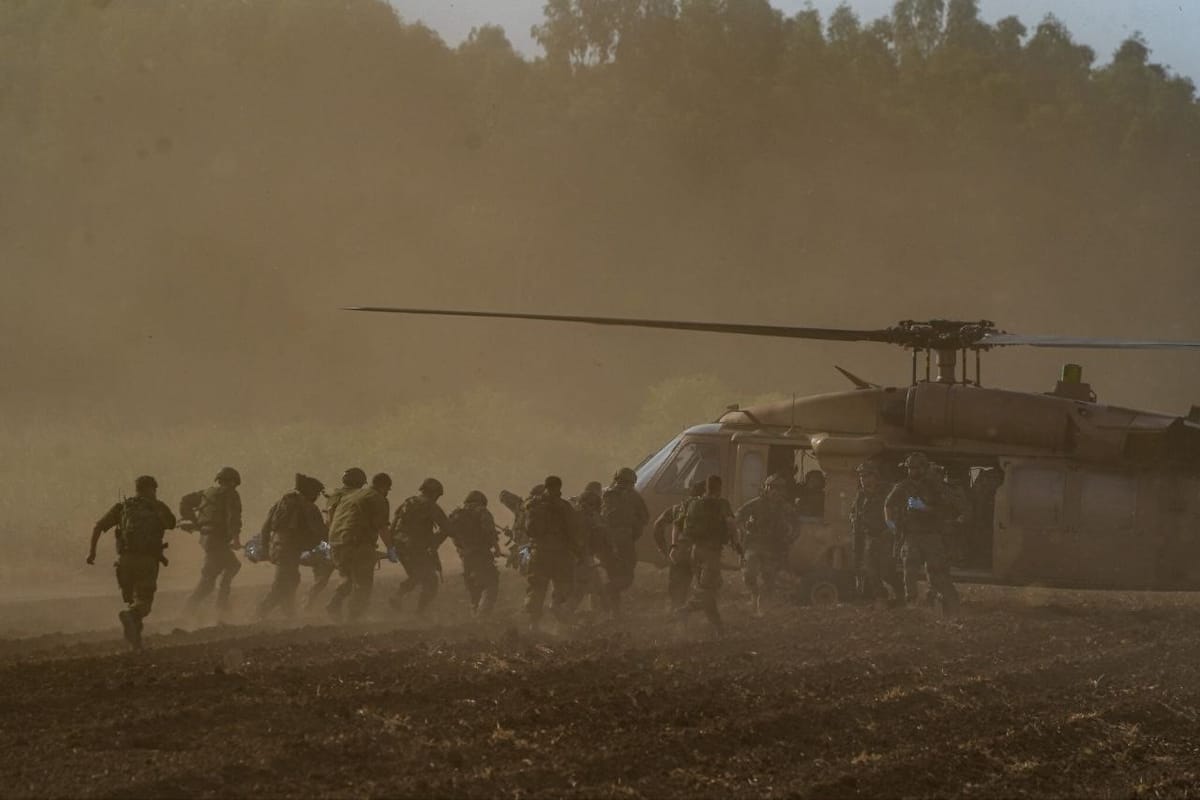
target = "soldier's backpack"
x: 189, y: 504
x: 617, y: 509
x: 466, y: 529
x: 704, y: 521
x: 140, y: 529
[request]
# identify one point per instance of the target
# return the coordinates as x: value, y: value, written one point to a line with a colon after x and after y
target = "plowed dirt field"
x: 1035, y: 694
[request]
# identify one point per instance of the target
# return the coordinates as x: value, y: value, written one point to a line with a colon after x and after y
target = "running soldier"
x: 707, y: 526
x: 874, y: 543
x: 141, y: 522
x: 353, y: 479
x: 624, y: 515
x: 418, y: 530
x: 473, y: 531
x: 219, y: 520
x: 359, y: 521
x: 294, y: 526
x: 589, y: 578
x: 679, y: 569
x: 918, y: 509
x: 554, y: 543
x: 764, y: 522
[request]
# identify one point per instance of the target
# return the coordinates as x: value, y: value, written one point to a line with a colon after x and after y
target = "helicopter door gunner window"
x: 1036, y: 497
x: 694, y: 461
x: 752, y: 474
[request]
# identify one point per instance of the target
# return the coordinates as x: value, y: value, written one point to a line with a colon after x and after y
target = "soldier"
x: 473, y: 531
x: 679, y: 570
x: 359, y: 521
x: 874, y: 545
x: 141, y: 522
x: 708, y: 524
x: 624, y: 515
x: 589, y: 579
x: 219, y: 520
x: 418, y: 529
x: 810, y: 495
x: 765, y: 528
x: 918, y: 509
x: 554, y: 543
x: 353, y: 479
x: 294, y: 526
x: 518, y: 549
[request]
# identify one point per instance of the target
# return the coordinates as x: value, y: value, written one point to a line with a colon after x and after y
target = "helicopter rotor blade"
x: 777, y: 331
x: 1082, y: 342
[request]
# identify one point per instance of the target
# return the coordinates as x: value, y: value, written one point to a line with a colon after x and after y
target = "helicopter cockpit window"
x: 694, y: 461
x: 1036, y: 497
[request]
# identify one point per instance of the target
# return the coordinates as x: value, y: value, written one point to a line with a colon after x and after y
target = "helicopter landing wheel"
x: 821, y: 589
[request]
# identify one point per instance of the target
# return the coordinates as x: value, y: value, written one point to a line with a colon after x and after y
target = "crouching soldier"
x: 473, y: 531
x: 141, y: 522
x: 294, y: 525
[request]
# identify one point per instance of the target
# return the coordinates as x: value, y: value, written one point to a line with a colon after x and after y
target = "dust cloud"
x: 193, y: 190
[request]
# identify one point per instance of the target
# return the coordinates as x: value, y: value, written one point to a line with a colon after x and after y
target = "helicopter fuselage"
x: 1092, y: 496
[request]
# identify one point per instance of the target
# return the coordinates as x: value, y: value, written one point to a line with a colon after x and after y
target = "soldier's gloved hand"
x: 392, y: 556
x: 917, y: 504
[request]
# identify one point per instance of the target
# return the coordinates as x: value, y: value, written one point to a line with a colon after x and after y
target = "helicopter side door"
x: 1062, y: 524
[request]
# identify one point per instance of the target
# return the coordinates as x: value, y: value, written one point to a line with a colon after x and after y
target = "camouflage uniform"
x: 359, y: 519
x: 589, y: 578
x: 624, y: 515
x: 138, y: 557
x: 679, y: 571
x: 874, y: 544
x: 704, y: 530
x: 555, y: 542
x: 922, y: 531
x: 418, y: 529
x: 473, y: 531
x: 765, y: 526
x: 219, y: 520
x: 293, y: 526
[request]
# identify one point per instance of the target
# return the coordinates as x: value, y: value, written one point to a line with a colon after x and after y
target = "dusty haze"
x: 192, y: 190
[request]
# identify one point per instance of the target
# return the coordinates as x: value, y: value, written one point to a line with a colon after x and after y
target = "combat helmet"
x: 916, y: 461
x: 308, y: 485
x: 145, y: 483
x: 625, y: 475
x: 475, y: 497
x: 432, y: 486
x: 229, y: 475
x: 354, y: 478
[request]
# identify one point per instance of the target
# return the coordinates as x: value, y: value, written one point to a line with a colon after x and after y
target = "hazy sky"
x: 1171, y: 26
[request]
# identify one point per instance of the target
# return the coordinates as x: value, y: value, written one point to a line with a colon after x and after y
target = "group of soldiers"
x: 560, y: 545
x: 573, y: 549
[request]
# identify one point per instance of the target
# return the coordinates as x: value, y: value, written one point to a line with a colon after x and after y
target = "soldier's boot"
x: 131, y: 627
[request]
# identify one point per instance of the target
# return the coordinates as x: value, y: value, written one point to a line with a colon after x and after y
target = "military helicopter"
x: 1066, y: 491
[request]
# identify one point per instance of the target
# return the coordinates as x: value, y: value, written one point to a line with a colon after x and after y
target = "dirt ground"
x: 1036, y: 694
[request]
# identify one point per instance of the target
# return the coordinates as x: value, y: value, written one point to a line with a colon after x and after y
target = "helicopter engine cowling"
x: 956, y: 412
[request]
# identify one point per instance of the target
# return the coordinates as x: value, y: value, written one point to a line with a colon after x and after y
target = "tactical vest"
x: 704, y: 521
x: 140, y: 529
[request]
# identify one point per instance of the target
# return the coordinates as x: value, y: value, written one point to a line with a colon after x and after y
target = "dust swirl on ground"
x: 1035, y: 694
